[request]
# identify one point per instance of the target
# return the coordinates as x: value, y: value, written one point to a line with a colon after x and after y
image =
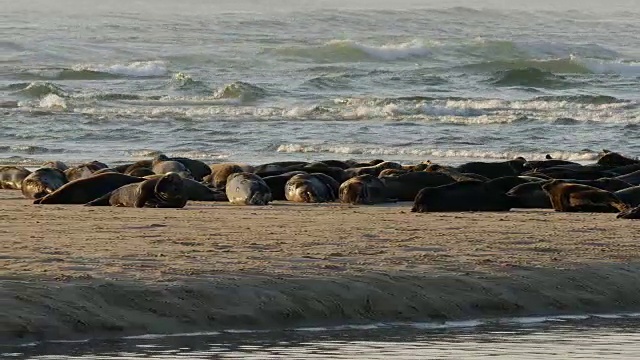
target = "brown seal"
x: 140, y: 172
x: 220, y: 173
x: 570, y: 197
x: 11, y: 177
x: 167, y: 191
x: 57, y: 165
x: 82, y: 191
x: 84, y: 170
x: 161, y: 164
x: 363, y: 189
x: 42, y: 182
x: 372, y: 170
x: 311, y: 188
x: 471, y: 195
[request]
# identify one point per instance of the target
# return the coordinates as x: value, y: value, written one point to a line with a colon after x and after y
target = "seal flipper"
x: 101, y: 201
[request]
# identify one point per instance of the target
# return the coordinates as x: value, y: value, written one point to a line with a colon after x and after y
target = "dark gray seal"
x: 82, y: 191
x: 614, y: 159
x: 42, y: 182
x: 11, y: 177
x: 167, y: 191
x: 247, y: 189
x: 493, y: 170
x: 405, y: 187
x: 374, y: 170
x: 629, y: 196
x: 56, y: 164
x: 198, y: 191
x: 462, y: 196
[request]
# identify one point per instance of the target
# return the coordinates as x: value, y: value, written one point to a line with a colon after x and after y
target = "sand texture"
x: 71, y: 271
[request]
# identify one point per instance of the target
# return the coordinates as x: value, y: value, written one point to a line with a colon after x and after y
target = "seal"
x: 247, y: 189
x: 550, y: 162
x: 335, y: 163
x: 461, y: 196
x: 11, y: 177
x: 570, y: 197
x: 197, y: 191
x: 126, y: 168
x: 614, y: 159
x: 161, y: 165
x: 277, y: 184
x: 84, y: 170
x: 532, y: 196
x: 165, y: 192
x: 630, y: 214
x: 220, y: 173
x: 372, y: 170
x: 41, y: 182
x: 630, y: 196
x: 405, y: 187
x: 56, y: 164
x: 274, y: 166
x: 363, y: 189
x: 506, y: 183
x: 493, y: 170
x: 105, y: 170
x: 454, y: 173
x: 196, y: 168
x: 140, y: 172
x: 311, y: 188
x: 581, y: 173
x: 82, y: 191
x: 392, y: 172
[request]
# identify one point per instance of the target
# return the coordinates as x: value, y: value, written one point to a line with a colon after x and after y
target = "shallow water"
x: 600, y: 337
x: 244, y: 81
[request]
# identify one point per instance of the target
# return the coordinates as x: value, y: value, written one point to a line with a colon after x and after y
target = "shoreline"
x: 94, y: 309
x: 69, y: 272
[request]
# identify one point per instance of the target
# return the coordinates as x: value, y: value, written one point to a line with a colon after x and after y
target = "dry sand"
x: 70, y: 271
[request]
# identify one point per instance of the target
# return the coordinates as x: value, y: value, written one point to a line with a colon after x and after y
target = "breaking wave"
x: 36, y: 89
x: 438, y: 153
x: 30, y: 150
x: 531, y: 77
x: 241, y: 91
x: 100, y: 71
x: 350, y: 50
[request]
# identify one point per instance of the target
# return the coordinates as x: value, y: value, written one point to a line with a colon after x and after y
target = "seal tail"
x: 101, y: 201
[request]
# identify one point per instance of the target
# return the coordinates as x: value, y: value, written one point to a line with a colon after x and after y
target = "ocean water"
x: 587, y: 337
x: 259, y: 81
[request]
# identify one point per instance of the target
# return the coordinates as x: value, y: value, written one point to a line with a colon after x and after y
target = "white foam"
x: 137, y: 69
x: 619, y: 67
x: 53, y: 102
x: 438, y: 153
x: 415, y: 48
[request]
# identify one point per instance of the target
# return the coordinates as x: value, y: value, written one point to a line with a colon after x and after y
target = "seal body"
x: 277, y: 184
x: 197, y: 191
x: 11, y: 177
x: 161, y: 165
x: 570, y: 197
x: 167, y: 191
x: 311, y: 188
x: 492, y: 170
x: 630, y: 196
x: 56, y: 164
x: 405, y: 187
x: 461, y: 196
x: 84, y: 171
x: 247, y: 189
x: 42, y: 182
x: 84, y: 190
x: 363, y: 189
x: 374, y: 170
x: 220, y: 173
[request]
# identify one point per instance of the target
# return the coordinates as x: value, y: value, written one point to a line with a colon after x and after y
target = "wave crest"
x: 240, y: 90
x: 350, y: 50
x: 438, y: 153
x: 531, y: 77
x: 37, y: 89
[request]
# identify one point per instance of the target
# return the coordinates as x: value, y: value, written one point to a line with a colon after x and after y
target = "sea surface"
x: 258, y: 81
x: 573, y: 337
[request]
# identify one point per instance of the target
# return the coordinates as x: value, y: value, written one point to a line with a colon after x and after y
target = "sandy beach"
x: 70, y: 271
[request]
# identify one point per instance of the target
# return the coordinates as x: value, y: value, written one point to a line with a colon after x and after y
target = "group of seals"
x: 611, y: 184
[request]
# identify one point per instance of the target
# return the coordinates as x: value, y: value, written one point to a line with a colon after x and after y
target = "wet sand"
x: 70, y: 271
